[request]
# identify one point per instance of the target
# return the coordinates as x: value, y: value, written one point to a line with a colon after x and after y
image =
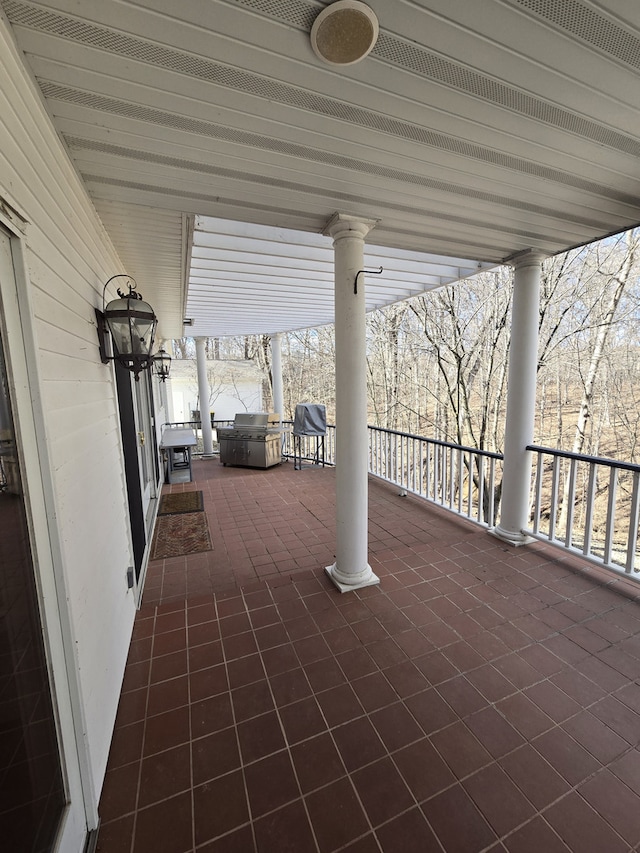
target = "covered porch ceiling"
x: 257, y: 279
x: 473, y: 131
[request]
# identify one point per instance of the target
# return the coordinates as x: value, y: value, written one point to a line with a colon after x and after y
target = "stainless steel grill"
x: 254, y: 440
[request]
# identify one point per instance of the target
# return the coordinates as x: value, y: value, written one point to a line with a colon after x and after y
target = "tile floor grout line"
x: 187, y: 629
x: 142, y: 745
x: 328, y: 731
x: 288, y: 747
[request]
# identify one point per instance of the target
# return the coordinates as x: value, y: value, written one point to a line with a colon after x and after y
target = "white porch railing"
x: 310, y: 449
x: 589, y: 505
x: 460, y: 479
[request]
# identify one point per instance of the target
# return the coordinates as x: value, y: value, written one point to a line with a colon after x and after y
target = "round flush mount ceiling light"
x: 344, y: 32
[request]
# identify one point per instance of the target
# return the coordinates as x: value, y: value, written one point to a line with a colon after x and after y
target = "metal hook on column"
x: 370, y: 272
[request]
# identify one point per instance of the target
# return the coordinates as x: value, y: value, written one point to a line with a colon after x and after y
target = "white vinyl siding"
x: 68, y: 258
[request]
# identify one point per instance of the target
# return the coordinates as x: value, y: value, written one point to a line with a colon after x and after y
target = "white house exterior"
x: 55, y: 257
x: 234, y: 386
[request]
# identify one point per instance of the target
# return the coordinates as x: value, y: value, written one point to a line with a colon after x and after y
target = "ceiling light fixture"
x: 344, y: 32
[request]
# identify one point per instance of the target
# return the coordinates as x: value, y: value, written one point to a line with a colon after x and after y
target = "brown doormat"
x: 181, y: 502
x: 177, y: 535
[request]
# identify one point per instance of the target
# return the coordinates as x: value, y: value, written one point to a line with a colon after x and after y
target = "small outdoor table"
x: 178, y: 443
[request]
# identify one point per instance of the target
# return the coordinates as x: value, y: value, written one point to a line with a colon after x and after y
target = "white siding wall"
x: 68, y: 259
x: 246, y: 397
x: 234, y: 387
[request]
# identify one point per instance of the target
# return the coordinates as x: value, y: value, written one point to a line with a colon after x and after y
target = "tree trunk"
x: 602, y: 333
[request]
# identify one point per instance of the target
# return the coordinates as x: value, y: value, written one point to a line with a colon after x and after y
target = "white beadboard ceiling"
x: 475, y: 129
x: 260, y: 279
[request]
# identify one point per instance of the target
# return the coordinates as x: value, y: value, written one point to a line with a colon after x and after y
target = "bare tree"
x: 614, y: 265
x: 607, y: 306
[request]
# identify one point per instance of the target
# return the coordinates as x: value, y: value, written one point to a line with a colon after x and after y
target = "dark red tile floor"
x: 481, y: 698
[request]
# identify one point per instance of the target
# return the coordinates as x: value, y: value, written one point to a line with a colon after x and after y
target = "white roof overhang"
x: 473, y: 130
x: 257, y: 279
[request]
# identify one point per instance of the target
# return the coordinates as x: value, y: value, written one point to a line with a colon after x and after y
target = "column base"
x: 515, y: 539
x: 362, y: 579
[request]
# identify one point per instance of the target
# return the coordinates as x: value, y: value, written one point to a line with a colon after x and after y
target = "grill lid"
x: 256, y: 419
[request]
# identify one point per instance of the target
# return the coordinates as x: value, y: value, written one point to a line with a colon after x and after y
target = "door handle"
x: 141, y: 438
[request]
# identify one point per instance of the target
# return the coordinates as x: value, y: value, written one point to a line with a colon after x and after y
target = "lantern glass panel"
x: 132, y: 324
x: 162, y: 363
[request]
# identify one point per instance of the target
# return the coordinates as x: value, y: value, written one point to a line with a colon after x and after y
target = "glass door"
x: 146, y: 445
x: 32, y: 789
x: 140, y: 460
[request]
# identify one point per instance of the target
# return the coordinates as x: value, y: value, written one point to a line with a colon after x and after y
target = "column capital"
x: 345, y: 225
x: 526, y: 258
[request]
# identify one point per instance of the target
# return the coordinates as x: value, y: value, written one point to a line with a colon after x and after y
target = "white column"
x: 351, y: 569
x: 164, y: 389
x: 276, y: 374
x: 203, y: 395
x: 168, y: 396
x: 164, y: 399
x: 521, y: 398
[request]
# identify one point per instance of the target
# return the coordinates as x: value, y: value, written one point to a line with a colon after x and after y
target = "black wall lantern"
x: 131, y: 324
x: 162, y: 364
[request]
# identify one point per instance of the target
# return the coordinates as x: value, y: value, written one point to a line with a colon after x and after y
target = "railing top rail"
x: 449, y: 444
x: 551, y: 451
x: 582, y: 457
